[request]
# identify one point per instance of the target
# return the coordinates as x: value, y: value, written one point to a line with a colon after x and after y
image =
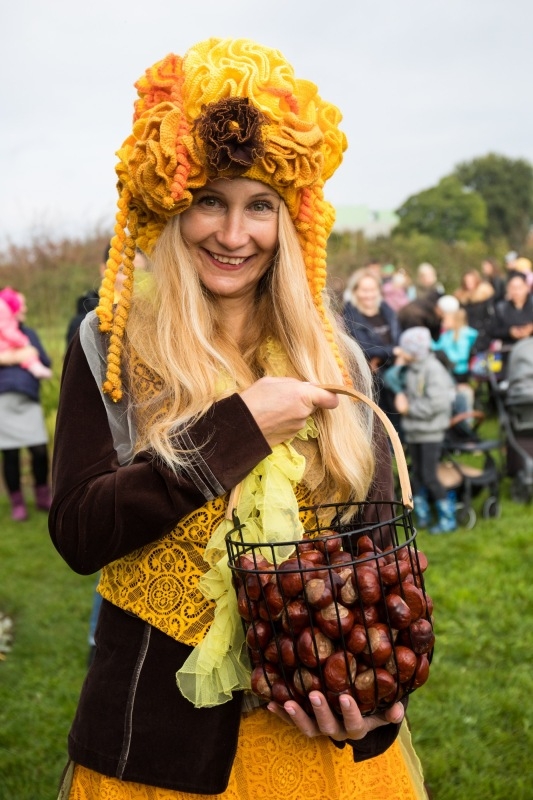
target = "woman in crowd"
x: 477, y: 297
x: 513, y: 317
x: 209, y: 375
x: 375, y: 327
x: 22, y: 423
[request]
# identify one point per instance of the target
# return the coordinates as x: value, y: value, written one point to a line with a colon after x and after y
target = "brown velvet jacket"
x: 131, y: 721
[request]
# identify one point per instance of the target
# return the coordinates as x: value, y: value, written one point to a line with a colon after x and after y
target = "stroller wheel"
x: 466, y: 517
x: 491, y: 508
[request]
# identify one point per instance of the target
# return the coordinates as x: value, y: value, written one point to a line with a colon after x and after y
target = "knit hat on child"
x: 416, y: 342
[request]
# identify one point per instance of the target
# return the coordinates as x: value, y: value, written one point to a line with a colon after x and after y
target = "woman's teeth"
x: 227, y: 259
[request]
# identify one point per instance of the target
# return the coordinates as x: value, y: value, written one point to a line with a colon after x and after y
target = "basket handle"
x: 399, y: 455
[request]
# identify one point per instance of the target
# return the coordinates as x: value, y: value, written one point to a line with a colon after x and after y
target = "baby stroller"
x: 514, y: 401
x: 469, y: 467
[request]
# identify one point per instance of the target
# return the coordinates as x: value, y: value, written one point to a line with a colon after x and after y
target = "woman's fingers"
x: 280, y: 406
x: 326, y: 723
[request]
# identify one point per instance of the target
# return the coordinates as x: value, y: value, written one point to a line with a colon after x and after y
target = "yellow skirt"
x: 275, y: 760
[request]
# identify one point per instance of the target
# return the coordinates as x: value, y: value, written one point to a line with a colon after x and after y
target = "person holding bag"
x: 209, y: 375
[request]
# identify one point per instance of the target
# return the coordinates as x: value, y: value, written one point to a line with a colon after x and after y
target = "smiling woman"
x: 206, y: 374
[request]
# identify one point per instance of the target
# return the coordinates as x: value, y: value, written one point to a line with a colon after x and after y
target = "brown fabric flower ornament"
x: 231, y: 130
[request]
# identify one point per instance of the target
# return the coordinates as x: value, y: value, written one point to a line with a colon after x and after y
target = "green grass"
x: 470, y: 722
x: 41, y: 677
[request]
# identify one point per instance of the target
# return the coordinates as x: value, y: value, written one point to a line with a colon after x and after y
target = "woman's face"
x: 232, y: 231
x: 470, y: 281
x: 517, y: 291
x: 367, y: 295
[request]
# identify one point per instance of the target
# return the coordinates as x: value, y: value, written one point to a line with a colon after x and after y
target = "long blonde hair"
x: 176, y: 331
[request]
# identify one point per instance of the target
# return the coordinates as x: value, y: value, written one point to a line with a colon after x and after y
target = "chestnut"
x: 281, y: 648
x: 367, y: 585
x: 394, y: 572
x: 422, y: 671
x: 348, y: 592
x: 280, y: 693
x: 295, y: 617
x: 340, y: 557
x: 419, y: 562
x: 366, y: 545
x: 401, y: 663
x: 379, y: 646
x: 398, y: 611
x: 254, y: 582
x: 339, y: 671
x: 262, y: 679
x: 314, y: 557
x: 292, y: 575
x: 328, y: 542
x: 258, y: 634
x: 414, y: 598
x: 306, y: 545
x: 318, y: 592
x: 251, y: 561
x: 419, y: 636
x: 272, y: 605
x: 305, y: 681
x: 372, y: 685
x: 247, y: 608
x: 335, y: 620
x: 313, y: 647
x: 356, y: 640
x: 368, y: 616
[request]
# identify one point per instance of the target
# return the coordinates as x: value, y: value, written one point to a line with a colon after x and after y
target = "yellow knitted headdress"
x: 228, y: 108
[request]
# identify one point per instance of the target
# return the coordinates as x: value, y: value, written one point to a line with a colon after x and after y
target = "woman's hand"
x: 280, y: 406
x: 401, y: 403
x: 325, y: 723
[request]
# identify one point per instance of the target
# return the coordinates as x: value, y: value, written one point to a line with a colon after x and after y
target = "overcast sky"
x: 422, y: 85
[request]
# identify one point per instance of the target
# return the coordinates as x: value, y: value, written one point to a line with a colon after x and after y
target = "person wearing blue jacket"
x: 22, y: 425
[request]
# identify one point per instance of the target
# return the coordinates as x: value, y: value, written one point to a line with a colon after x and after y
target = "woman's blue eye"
x: 209, y: 201
x: 262, y: 206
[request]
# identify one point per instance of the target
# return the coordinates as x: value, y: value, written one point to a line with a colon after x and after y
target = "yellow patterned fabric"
x: 274, y: 760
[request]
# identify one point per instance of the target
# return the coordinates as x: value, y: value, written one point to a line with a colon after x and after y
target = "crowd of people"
x: 425, y: 347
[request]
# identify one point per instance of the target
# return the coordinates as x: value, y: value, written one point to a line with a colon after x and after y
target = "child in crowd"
x: 456, y: 341
x: 12, y: 338
x: 425, y: 393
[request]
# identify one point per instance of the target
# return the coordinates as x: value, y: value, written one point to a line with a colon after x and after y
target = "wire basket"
x: 347, y: 611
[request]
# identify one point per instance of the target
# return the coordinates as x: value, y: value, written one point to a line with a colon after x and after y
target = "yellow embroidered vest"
x: 159, y: 582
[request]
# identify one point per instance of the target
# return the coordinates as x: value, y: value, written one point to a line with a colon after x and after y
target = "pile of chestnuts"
x: 354, y: 620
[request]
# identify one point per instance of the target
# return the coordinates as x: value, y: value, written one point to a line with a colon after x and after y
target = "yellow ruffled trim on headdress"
x: 164, y: 159
x: 268, y: 511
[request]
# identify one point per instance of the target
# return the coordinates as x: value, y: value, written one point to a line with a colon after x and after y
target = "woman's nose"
x: 232, y: 232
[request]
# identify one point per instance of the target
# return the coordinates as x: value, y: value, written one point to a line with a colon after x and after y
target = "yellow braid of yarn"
x: 164, y: 160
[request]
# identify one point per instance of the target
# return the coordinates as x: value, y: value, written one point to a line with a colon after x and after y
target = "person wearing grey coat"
x: 425, y: 402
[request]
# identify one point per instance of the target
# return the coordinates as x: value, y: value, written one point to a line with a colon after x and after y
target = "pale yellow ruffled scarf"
x: 268, y: 511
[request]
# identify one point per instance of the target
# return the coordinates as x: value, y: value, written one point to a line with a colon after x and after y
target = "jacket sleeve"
x: 102, y: 510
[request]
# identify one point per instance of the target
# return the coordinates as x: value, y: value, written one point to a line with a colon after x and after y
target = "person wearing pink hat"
x: 23, y: 362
